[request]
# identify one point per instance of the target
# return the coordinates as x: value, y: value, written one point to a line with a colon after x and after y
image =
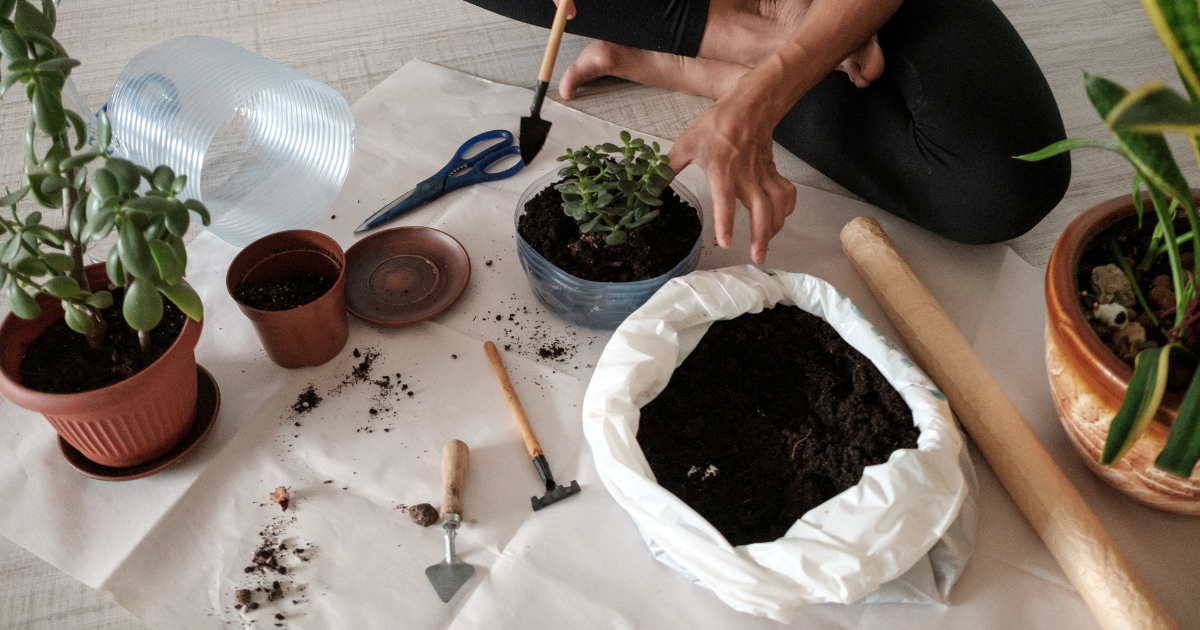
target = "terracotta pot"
x: 125, y: 424
x: 1088, y: 381
x: 311, y: 334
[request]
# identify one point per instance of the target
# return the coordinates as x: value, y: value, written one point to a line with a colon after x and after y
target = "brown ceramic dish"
x: 208, y: 405
x: 1088, y: 381
x: 405, y: 275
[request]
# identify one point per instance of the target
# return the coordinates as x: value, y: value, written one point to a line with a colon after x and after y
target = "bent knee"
x: 989, y: 201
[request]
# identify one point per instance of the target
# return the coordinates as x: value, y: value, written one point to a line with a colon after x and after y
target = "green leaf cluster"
x: 141, y: 205
x: 614, y: 189
x: 1138, y: 120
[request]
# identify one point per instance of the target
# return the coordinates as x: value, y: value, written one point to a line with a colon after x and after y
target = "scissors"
x: 459, y: 172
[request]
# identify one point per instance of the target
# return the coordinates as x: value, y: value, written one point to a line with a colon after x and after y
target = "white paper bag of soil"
x: 902, y: 534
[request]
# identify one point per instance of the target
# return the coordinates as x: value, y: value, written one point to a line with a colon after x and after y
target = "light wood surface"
x: 456, y: 459
x: 556, y: 35
x: 514, y: 404
x: 1104, y: 577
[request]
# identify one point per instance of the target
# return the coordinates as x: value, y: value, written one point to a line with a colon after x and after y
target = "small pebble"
x: 488, y: 263
x: 423, y: 514
x: 243, y: 596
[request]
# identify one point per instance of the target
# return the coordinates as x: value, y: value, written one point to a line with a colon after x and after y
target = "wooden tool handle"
x: 456, y: 458
x: 556, y: 33
x: 1104, y: 577
x: 514, y: 403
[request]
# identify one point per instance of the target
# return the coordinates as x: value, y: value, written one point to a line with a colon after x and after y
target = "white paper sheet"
x: 172, y: 548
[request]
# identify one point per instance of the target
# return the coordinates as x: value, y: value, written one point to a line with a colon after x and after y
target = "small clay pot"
x: 1088, y: 381
x: 125, y: 424
x: 311, y: 334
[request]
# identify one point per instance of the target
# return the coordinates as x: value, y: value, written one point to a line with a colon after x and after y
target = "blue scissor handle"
x: 478, y: 172
x: 478, y: 163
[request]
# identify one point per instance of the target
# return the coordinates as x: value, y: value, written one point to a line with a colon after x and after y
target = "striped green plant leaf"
x: 1155, y: 108
x: 1182, y: 450
x: 1148, y: 152
x: 1141, y: 402
x: 1177, y: 23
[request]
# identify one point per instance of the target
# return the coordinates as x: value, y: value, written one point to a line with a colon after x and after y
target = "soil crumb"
x: 307, y: 400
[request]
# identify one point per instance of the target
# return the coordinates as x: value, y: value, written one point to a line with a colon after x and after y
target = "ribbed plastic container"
x: 266, y: 148
x: 599, y: 305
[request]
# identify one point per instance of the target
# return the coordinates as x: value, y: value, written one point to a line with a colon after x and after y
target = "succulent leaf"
x: 143, y: 307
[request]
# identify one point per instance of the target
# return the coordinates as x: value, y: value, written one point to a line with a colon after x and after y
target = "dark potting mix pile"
x: 771, y: 415
x: 652, y: 249
x: 59, y: 361
x: 1100, y: 281
x: 298, y: 290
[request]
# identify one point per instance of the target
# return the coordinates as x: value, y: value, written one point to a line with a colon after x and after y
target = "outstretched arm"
x: 732, y: 142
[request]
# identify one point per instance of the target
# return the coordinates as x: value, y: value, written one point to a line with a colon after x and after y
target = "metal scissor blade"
x: 385, y: 213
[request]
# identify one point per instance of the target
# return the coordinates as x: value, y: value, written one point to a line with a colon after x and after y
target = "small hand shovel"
x: 533, y: 129
x: 554, y: 492
x: 450, y: 574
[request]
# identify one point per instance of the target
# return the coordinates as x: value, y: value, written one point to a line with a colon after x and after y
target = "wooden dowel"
x: 556, y: 33
x: 514, y: 404
x: 456, y: 459
x: 1103, y: 576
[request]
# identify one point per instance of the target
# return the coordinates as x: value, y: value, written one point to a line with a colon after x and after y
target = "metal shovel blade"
x: 448, y: 577
x: 533, y: 135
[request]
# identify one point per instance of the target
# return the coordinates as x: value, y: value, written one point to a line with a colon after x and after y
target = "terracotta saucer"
x: 405, y: 275
x: 208, y: 404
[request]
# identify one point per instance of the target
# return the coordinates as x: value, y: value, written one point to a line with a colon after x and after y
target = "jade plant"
x: 148, y: 259
x: 614, y: 189
x: 1138, y: 120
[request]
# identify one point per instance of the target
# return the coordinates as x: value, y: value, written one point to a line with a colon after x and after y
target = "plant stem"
x: 1124, y: 265
x: 1154, y: 251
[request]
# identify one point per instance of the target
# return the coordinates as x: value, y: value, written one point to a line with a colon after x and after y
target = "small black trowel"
x: 450, y: 574
x: 554, y: 492
x: 533, y: 129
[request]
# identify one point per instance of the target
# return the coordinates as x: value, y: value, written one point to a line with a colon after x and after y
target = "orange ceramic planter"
x: 1088, y: 381
x: 311, y: 334
x: 124, y: 424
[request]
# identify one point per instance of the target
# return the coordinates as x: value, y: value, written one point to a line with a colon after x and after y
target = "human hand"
x: 732, y: 143
x: 570, y: 11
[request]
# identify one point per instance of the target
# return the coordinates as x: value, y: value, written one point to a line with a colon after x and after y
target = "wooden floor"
x: 355, y: 44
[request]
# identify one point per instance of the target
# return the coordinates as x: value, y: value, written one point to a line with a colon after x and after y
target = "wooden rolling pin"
x: 1100, y: 572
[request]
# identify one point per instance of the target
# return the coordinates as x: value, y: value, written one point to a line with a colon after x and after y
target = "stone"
x: 1110, y: 286
x: 1129, y: 341
x: 1162, y: 298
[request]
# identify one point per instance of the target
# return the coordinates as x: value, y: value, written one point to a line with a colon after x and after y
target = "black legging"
x: 931, y: 141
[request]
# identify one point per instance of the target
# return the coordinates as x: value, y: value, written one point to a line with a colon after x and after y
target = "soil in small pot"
x: 1132, y: 331
x: 59, y: 361
x: 293, y: 292
x: 771, y: 415
x: 652, y: 249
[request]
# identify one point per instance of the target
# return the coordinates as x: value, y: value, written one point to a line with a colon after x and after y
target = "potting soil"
x: 771, y: 415
x: 298, y: 290
x: 652, y: 249
x: 59, y: 361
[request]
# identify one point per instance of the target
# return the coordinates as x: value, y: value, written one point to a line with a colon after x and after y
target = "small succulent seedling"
x: 614, y: 189
x: 148, y: 259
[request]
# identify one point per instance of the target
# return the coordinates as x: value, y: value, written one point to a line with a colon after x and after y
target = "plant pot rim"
x: 331, y: 250
x: 1062, y: 293
x: 542, y: 182
x: 108, y: 395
